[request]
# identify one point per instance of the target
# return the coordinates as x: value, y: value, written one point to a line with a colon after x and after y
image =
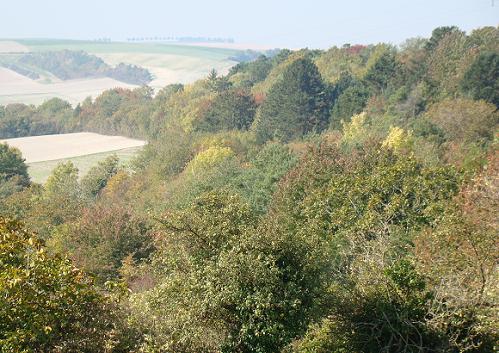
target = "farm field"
x: 16, y: 88
x: 43, y: 153
x: 40, y: 171
x: 169, y: 68
x: 168, y: 63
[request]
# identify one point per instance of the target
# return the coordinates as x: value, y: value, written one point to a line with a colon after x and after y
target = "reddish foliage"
x: 259, y: 98
x: 355, y: 49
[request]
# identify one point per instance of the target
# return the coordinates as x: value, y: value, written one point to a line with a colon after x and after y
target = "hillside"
x: 340, y: 200
x: 167, y: 63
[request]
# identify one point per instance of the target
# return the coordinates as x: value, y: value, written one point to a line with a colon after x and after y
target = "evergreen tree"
x: 295, y: 105
x: 482, y: 78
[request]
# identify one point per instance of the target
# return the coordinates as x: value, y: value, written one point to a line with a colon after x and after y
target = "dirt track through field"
x: 52, y: 147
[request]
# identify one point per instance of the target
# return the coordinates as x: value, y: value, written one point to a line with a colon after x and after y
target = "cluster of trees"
x: 315, y: 201
x: 70, y: 64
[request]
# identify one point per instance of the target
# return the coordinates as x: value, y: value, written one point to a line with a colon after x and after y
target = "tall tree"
x: 295, y: 105
x: 438, y: 34
x: 13, y: 171
x: 12, y: 164
x: 97, y: 177
x: 230, y: 110
x: 481, y: 80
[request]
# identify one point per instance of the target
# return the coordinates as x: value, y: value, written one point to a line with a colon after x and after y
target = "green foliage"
x: 230, y: 110
x: 53, y: 116
x: 13, y: 170
x: 464, y: 119
x: 392, y: 322
x: 381, y: 68
x: 46, y: 304
x: 247, y: 74
x: 481, y: 80
x: 131, y: 74
x: 68, y: 64
x: 387, y: 316
x: 379, y: 235
x: 364, y: 194
x: 119, y: 111
x: 225, y: 286
x: 217, y: 84
x: 212, y: 169
x: 459, y: 258
x: 447, y: 64
x: 438, y: 34
x: 166, y: 156
x: 97, y: 177
x: 336, y: 62
x: 257, y: 183
x: 350, y: 102
x: 208, y: 158
x: 295, y: 105
x: 60, y: 200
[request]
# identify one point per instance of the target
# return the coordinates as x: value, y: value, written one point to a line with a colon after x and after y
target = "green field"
x: 40, y: 171
x: 118, y: 47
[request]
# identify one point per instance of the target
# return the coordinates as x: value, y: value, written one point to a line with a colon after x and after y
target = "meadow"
x: 40, y: 171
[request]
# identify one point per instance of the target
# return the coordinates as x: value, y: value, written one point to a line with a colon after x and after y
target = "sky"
x: 275, y: 23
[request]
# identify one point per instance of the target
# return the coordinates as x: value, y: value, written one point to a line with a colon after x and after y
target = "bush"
x: 46, y: 304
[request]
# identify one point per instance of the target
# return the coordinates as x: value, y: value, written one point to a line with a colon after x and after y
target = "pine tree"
x: 295, y: 105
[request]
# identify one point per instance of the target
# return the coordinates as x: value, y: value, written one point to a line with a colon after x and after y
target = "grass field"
x: 84, y: 149
x: 168, y: 63
x: 40, y: 171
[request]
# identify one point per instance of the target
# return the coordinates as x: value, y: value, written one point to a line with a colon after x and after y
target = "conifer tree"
x: 295, y: 105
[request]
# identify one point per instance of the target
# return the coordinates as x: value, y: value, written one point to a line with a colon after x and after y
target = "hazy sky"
x: 282, y: 23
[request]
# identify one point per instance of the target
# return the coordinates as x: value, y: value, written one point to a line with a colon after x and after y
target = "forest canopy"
x: 340, y: 200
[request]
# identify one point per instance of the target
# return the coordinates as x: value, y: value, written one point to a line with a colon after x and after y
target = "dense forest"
x: 314, y: 201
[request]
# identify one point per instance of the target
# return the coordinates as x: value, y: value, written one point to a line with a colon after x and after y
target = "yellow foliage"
x: 209, y: 158
x: 335, y: 61
x: 398, y: 139
x: 187, y: 105
x: 238, y: 141
x: 356, y: 129
x: 116, y: 182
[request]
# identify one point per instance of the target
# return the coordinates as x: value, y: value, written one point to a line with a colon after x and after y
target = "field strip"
x: 62, y: 146
x: 40, y: 171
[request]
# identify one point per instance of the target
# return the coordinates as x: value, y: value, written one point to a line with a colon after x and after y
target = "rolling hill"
x: 168, y: 63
